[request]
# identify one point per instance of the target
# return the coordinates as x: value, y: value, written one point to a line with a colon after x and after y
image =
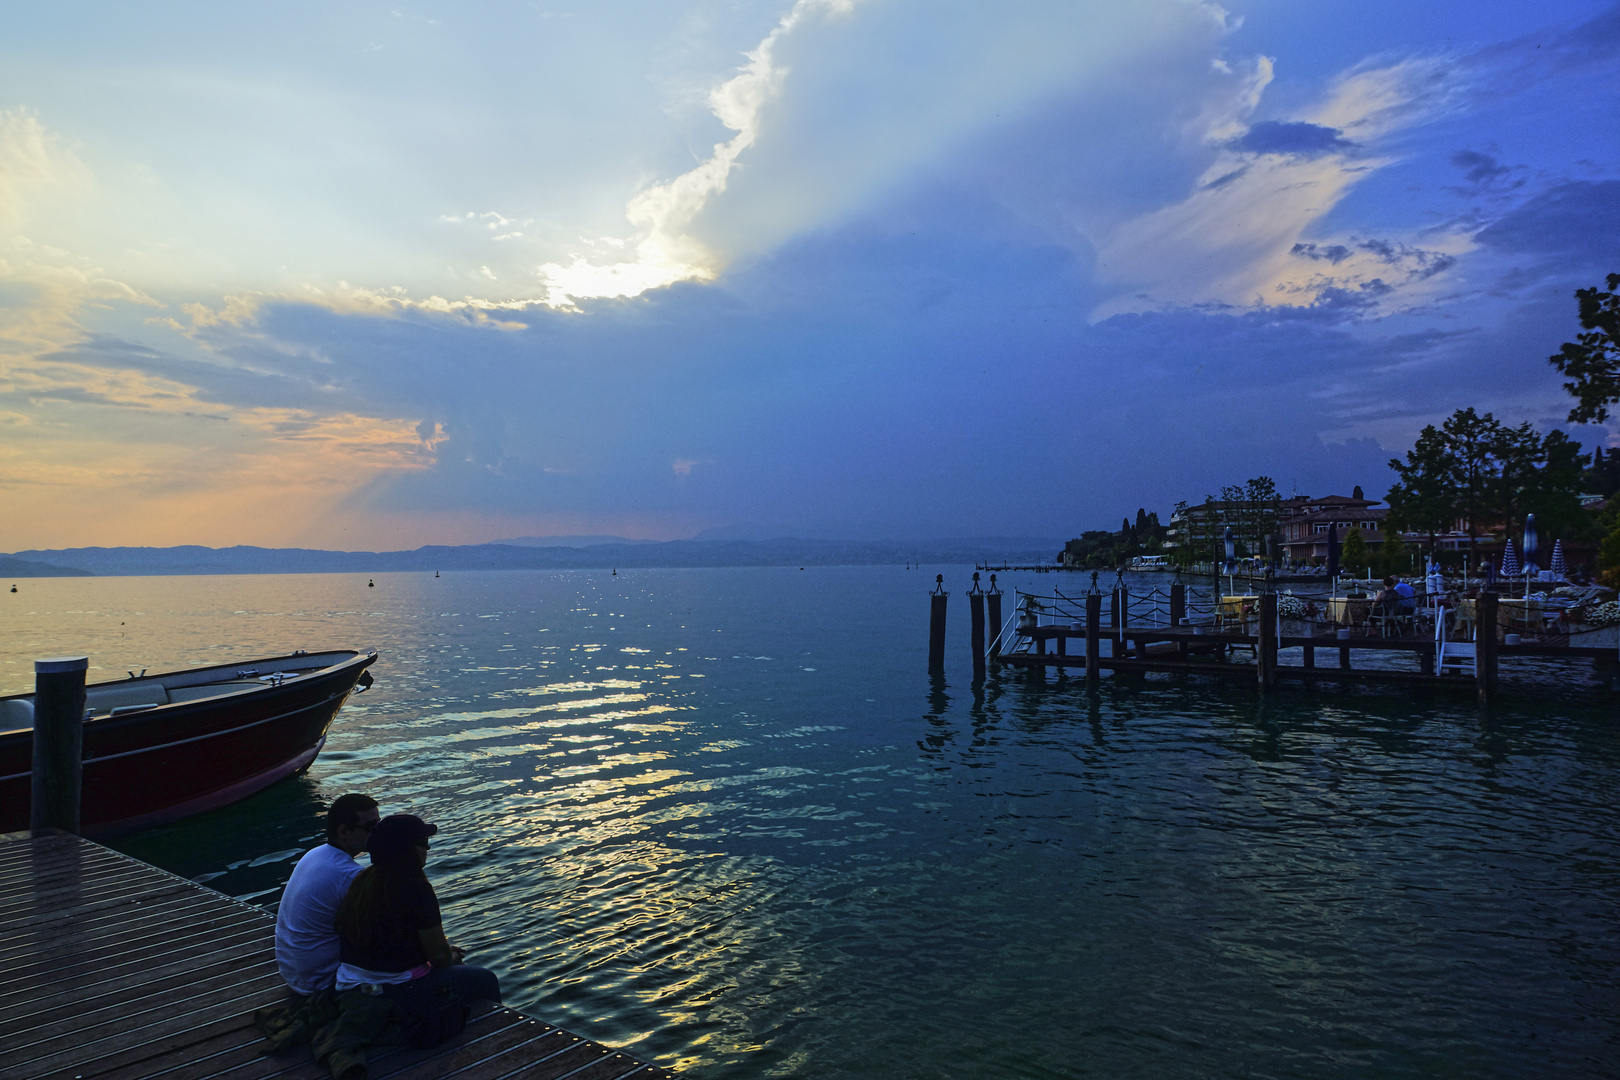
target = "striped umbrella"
x: 1558, y: 568
x: 1510, y: 561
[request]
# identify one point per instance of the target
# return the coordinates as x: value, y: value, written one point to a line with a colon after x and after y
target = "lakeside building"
x: 1201, y: 529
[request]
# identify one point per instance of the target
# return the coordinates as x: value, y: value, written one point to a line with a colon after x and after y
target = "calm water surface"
x: 723, y: 819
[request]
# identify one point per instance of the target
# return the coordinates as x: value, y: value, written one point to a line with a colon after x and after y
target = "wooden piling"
x: 976, y: 624
x: 1265, y: 652
x: 1093, y: 644
x: 58, y: 744
x: 1178, y: 613
x: 1485, y: 646
x: 992, y: 600
x: 1116, y: 620
x: 936, y: 625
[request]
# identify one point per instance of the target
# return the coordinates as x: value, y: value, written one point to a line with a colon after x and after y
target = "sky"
x: 374, y: 275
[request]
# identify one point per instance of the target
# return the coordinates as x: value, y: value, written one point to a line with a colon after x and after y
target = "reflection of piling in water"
x: 936, y: 625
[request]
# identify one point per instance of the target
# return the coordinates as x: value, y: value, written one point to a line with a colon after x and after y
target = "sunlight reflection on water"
x: 721, y: 818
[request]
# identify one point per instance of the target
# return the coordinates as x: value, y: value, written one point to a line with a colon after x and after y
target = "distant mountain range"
x: 527, y: 554
x: 21, y: 568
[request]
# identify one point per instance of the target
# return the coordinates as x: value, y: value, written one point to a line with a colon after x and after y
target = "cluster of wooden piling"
x: 1185, y: 648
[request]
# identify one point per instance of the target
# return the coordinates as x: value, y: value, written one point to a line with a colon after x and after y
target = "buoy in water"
x: 615, y: 571
x: 370, y: 584
x: 435, y: 573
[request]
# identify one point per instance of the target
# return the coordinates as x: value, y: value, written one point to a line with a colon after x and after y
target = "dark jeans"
x: 466, y: 982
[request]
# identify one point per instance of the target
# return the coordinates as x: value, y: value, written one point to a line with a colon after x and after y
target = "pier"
x: 1170, y: 630
x: 111, y: 969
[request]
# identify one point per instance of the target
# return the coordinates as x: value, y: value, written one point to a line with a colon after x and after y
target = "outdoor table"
x: 1234, y: 608
x: 1348, y: 611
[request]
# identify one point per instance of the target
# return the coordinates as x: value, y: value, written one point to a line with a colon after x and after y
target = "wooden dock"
x: 111, y: 969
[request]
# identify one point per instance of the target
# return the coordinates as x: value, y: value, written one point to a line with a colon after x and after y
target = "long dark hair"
x: 370, y: 910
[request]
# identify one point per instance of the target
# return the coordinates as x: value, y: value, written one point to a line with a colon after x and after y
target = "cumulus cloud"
x: 665, y: 252
x: 1240, y: 238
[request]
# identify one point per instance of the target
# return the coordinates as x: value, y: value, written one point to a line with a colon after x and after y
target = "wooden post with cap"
x: 58, y: 744
x: 992, y: 600
x: 976, y: 624
x: 936, y: 626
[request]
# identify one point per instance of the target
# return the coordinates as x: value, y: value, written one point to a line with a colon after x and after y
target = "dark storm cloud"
x: 1291, y: 137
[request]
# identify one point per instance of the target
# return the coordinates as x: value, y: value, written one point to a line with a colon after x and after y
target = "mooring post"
x: 976, y: 624
x: 1116, y: 619
x: 992, y: 600
x: 936, y: 625
x: 1265, y: 653
x: 58, y: 744
x: 1178, y: 613
x: 1093, y: 633
x: 1485, y: 646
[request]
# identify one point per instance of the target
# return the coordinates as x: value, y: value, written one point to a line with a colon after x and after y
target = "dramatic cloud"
x: 883, y: 267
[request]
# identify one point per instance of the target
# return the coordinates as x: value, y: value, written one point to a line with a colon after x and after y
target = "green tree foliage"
x: 1394, y: 556
x: 1353, y: 557
x: 1602, y: 477
x: 1099, y: 549
x: 1422, y: 499
x: 1608, y: 556
x: 1592, y: 360
x: 1477, y: 470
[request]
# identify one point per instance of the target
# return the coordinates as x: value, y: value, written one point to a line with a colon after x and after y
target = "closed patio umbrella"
x: 1333, y: 557
x: 1231, y: 559
x: 1530, y: 544
x: 1510, y: 561
x: 1558, y: 567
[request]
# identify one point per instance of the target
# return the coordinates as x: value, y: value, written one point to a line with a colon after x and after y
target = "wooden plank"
x: 57, y: 972
x: 67, y: 903
x: 115, y: 950
x: 59, y: 936
x: 487, y: 1022
x: 131, y: 997
x: 132, y: 975
x: 514, y: 1045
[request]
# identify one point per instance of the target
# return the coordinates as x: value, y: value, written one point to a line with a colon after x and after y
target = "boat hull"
x: 165, y: 763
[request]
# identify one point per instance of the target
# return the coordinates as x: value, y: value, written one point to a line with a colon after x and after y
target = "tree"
x: 1354, y: 556
x: 1476, y: 470
x: 1421, y: 500
x: 1592, y: 360
x: 1393, y: 555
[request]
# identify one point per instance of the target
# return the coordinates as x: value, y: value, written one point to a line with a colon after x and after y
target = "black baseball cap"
x: 395, y: 835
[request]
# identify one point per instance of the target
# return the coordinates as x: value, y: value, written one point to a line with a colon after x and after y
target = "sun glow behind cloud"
x: 665, y: 252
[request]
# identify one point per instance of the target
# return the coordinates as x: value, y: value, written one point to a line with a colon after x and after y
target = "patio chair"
x: 1390, y: 617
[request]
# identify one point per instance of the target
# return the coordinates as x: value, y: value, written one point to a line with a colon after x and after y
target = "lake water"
x: 723, y: 818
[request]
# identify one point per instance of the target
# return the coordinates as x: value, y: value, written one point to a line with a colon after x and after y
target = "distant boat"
x: 162, y: 747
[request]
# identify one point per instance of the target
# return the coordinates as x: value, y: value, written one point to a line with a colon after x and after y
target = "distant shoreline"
x: 672, y: 554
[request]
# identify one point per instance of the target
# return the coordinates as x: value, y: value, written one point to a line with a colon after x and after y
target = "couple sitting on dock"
x: 341, y: 927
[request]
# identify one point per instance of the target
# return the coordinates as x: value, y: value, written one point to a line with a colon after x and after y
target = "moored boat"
x: 162, y: 747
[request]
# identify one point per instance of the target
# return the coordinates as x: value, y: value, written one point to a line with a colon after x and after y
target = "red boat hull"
x: 166, y: 763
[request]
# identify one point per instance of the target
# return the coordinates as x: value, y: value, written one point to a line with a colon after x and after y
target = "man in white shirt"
x: 306, y: 921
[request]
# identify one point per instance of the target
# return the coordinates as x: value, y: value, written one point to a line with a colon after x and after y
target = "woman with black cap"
x: 390, y: 932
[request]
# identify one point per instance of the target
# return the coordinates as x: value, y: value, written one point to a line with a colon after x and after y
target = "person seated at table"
x: 390, y: 932
x: 1407, y: 594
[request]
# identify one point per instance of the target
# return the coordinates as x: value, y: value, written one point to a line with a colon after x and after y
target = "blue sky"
x: 376, y: 275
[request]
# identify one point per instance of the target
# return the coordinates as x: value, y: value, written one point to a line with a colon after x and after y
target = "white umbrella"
x: 1510, y: 561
